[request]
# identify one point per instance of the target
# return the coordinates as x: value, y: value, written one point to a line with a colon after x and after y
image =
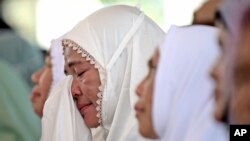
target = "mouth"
x: 34, y: 94
x: 138, y: 110
x: 83, y: 108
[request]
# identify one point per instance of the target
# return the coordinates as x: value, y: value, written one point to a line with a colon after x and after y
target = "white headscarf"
x: 61, y: 120
x: 119, y: 40
x: 183, y: 99
x: 57, y: 60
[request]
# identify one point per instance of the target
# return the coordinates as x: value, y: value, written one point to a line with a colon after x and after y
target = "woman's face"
x: 240, y: 100
x: 85, y: 85
x: 144, y: 105
x: 42, y: 80
x: 218, y: 74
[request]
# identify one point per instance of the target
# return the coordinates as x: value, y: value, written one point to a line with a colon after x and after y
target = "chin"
x: 91, y: 122
x: 38, y: 111
x: 143, y: 133
x: 147, y: 132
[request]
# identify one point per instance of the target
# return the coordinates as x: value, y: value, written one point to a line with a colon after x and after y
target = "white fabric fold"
x: 57, y: 60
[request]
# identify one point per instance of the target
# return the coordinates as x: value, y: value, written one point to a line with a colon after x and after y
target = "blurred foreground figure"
x: 182, y: 104
x: 17, y: 120
x: 24, y: 58
x: 232, y: 70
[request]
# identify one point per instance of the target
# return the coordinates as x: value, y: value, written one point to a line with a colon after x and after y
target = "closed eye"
x: 80, y: 74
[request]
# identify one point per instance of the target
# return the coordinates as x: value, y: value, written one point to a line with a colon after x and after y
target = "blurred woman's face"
x: 240, y: 100
x: 144, y: 105
x: 42, y: 80
x: 218, y: 74
x: 85, y: 85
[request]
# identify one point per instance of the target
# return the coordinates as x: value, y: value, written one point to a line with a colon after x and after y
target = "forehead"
x: 69, y: 52
x: 71, y: 56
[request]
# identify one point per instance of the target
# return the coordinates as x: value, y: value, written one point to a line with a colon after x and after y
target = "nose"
x: 75, y: 90
x: 215, y: 72
x: 140, y: 88
x: 36, y: 75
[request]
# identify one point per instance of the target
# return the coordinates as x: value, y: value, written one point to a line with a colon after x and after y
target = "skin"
x: 85, y: 85
x: 144, y: 105
x: 218, y: 75
x: 233, y: 96
x: 206, y: 13
x: 240, y: 100
x: 42, y: 80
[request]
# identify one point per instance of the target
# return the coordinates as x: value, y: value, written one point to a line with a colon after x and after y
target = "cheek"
x: 93, y: 76
x: 90, y: 85
x: 45, y: 83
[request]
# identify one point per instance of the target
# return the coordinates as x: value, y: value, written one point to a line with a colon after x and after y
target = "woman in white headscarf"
x: 107, y: 53
x: 61, y: 119
x: 183, y: 99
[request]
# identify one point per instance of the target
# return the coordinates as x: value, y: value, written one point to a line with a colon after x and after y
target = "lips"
x: 35, y: 93
x: 83, y: 107
x: 138, y: 110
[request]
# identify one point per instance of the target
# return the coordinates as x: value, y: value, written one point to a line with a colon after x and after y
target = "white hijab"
x: 52, y: 118
x: 56, y: 54
x: 118, y: 40
x: 61, y: 119
x: 183, y: 99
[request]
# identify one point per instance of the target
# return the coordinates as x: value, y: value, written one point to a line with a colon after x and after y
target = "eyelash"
x: 80, y: 74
